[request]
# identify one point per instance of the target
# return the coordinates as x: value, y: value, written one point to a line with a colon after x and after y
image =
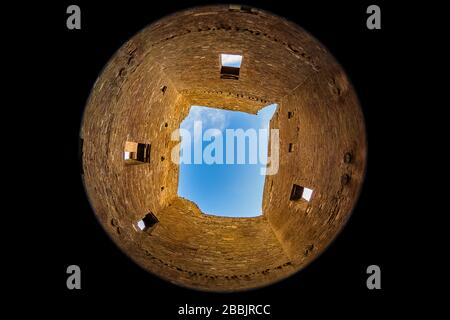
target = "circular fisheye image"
x: 223, y: 148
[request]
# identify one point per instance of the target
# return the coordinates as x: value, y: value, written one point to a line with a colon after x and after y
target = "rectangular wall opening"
x: 242, y: 8
x: 291, y: 147
x: 148, y: 222
x: 290, y: 114
x: 230, y: 66
x: 299, y: 193
x: 136, y: 153
x: 223, y: 160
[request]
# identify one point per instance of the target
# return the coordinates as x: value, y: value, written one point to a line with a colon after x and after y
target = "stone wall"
x: 327, y: 133
x: 210, y: 252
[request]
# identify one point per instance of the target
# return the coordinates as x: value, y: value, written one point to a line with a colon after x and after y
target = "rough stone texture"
x: 143, y: 94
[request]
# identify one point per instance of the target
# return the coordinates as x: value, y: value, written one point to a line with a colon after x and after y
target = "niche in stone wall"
x: 136, y: 153
x: 148, y: 223
x: 242, y: 8
x: 230, y: 66
x: 300, y: 193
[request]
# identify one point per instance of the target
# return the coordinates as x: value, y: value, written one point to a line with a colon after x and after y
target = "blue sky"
x: 233, y: 190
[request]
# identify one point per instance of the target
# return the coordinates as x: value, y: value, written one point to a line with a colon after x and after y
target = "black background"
x: 66, y: 65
